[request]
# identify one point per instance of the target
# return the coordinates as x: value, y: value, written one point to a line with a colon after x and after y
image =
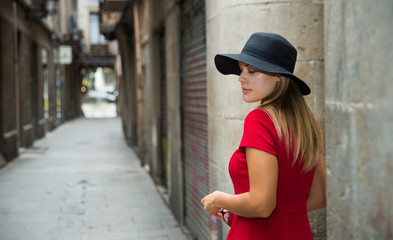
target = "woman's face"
x: 256, y: 85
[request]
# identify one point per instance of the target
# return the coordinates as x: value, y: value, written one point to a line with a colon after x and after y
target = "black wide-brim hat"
x: 268, y: 52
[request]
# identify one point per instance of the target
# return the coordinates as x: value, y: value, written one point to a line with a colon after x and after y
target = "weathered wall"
x: 31, y: 41
x: 122, y: 104
x: 42, y: 40
x: 175, y: 167
x: 26, y: 126
x: 229, y: 25
x: 7, y: 95
x: 39, y: 88
x: 128, y: 84
x: 31, y: 38
x: 359, y: 118
x: 152, y: 71
x: 159, y: 22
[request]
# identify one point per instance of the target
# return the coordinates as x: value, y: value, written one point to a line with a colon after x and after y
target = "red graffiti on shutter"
x: 195, y: 125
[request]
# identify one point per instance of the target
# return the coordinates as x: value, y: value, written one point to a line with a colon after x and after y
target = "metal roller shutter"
x: 195, y: 138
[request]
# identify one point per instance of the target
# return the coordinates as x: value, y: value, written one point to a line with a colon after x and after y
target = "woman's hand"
x: 210, y: 203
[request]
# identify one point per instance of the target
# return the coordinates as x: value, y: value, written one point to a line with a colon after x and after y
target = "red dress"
x: 289, y: 220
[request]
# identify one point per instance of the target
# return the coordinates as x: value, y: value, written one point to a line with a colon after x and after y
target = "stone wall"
x: 151, y: 66
x: 160, y: 34
x: 32, y: 36
x: 173, y: 92
x: 7, y: 94
x: 359, y: 118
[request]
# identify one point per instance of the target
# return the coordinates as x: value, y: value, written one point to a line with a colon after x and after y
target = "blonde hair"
x: 295, y: 123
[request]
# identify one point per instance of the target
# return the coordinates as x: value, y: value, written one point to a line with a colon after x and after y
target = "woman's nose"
x: 241, y: 77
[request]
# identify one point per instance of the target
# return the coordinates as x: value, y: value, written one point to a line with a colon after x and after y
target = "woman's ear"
x: 278, y: 78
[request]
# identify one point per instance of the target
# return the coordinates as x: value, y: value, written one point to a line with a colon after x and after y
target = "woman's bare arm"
x: 317, y: 196
x: 260, y: 201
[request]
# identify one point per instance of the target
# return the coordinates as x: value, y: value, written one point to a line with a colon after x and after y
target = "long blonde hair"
x: 295, y: 123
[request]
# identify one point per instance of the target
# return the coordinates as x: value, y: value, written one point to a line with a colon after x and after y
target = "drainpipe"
x: 16, y: 74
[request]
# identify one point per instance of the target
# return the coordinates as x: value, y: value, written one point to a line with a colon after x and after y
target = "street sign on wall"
x: 65, y: 54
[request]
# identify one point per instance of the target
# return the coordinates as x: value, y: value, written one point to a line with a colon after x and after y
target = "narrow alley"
x: 82, y: 182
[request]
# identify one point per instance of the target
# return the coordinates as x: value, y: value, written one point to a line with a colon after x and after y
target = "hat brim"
x: 228, y: 64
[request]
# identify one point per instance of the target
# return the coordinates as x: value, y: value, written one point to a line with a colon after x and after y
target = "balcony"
x: 110, y: 15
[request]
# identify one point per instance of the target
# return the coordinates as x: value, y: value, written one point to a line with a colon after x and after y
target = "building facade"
x: 36, y: 89
x: 185, y: 119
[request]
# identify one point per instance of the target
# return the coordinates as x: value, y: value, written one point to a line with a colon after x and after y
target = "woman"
x: 277, y: 172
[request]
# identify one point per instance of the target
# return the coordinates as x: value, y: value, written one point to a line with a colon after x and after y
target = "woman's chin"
x: 250, y: 100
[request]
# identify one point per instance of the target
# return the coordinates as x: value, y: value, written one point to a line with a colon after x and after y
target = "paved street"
x: 82, y: 182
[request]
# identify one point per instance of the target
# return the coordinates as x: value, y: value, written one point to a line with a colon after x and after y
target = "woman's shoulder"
x: 259, y: 114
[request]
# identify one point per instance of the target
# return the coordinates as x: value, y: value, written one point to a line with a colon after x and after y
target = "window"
x: 95, y: 36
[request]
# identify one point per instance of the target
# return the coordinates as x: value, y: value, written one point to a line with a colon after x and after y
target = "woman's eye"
x: 251, y: 71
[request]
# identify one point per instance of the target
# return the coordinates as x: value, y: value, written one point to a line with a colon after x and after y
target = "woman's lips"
x: 244, y: 90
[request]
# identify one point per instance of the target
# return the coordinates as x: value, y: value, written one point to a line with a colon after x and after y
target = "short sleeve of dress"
x: 258, y: 132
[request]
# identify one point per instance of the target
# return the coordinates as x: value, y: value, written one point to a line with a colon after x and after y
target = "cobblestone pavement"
x: 82, y: 182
